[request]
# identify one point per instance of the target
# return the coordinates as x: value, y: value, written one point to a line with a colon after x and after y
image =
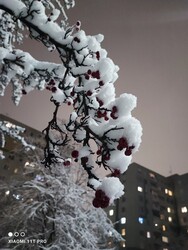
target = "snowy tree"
x: 52, y: 210
x: 84, y: 80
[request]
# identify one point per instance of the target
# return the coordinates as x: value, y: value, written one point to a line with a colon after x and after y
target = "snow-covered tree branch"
x: 14, y: 131
x: 85, y: 80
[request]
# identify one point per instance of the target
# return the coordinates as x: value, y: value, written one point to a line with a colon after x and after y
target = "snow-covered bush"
x: 85, y: 80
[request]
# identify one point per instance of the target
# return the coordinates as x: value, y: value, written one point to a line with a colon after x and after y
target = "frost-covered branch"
x: 14, y: 131
x: 86, y: 83
x: 26, y: 74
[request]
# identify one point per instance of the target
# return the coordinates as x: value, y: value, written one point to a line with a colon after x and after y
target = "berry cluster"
x: 114, y: 112
x: 102, y: 114
x: 100, y: 200
x: 123, y: 144
x: 94, y: 74
x: 76, y: 39
x: 78, y: 25
x: 24, y: 92
x: 51, y: 86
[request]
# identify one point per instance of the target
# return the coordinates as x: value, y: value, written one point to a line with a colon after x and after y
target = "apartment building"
x: 153, y: 213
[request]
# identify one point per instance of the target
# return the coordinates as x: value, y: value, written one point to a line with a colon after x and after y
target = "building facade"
x: 153, y: 213
x: 13, y: 165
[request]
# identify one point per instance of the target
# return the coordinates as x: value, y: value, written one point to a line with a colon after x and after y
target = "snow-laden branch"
x: 26, y: 73
x: 14, y: 131
x: 87, y: 84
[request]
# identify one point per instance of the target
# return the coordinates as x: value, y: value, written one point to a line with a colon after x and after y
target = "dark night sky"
x: 148, y: 39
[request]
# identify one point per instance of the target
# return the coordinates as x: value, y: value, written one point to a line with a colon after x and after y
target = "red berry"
x: 89, y: 93
x: 99, y: 114
x: 52, y: 82
x: 119, y: 147
x: 54, y: 89
x: 98, y: 152
x: 84, y: 159
x: 107, y: 157
x: 89, y: 72
x: 49, y: 19
x: 24, y: 92
x: 114, y: 109
x: 101, y: 200
x: 100, y: 102
x: 69, y: 103
x: 116, y: 173
x: 75, y: 101
x: 87, y: 77
x: 99, y: 194
x: 76, y: 39
x: 113, y: 116
x: 128, y: 152
x: 96, y: 74
x: 98, y: 55
x: 123, y: 142
x: 96, y: 203
x: 78, y: 23
x: 105, y: 202
x: 101, y: 83
x: 75, y: 154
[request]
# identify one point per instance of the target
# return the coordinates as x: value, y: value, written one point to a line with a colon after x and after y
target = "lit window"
x: 163, y: 227
x: 140, y: 189
x: 165, y: 239
x: 140, y: 220
x: 148, y: 235
x: 165, y: 248
x: 111, y: 212
x: 123, y: 232
x: 7, y: 192
x: 156, y: 225
x: 168, y: 209
x: 170, y: 219
x: 170, y: 193
x: 123, y: 244
x: 123, y: 220
x: 184, y: 209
